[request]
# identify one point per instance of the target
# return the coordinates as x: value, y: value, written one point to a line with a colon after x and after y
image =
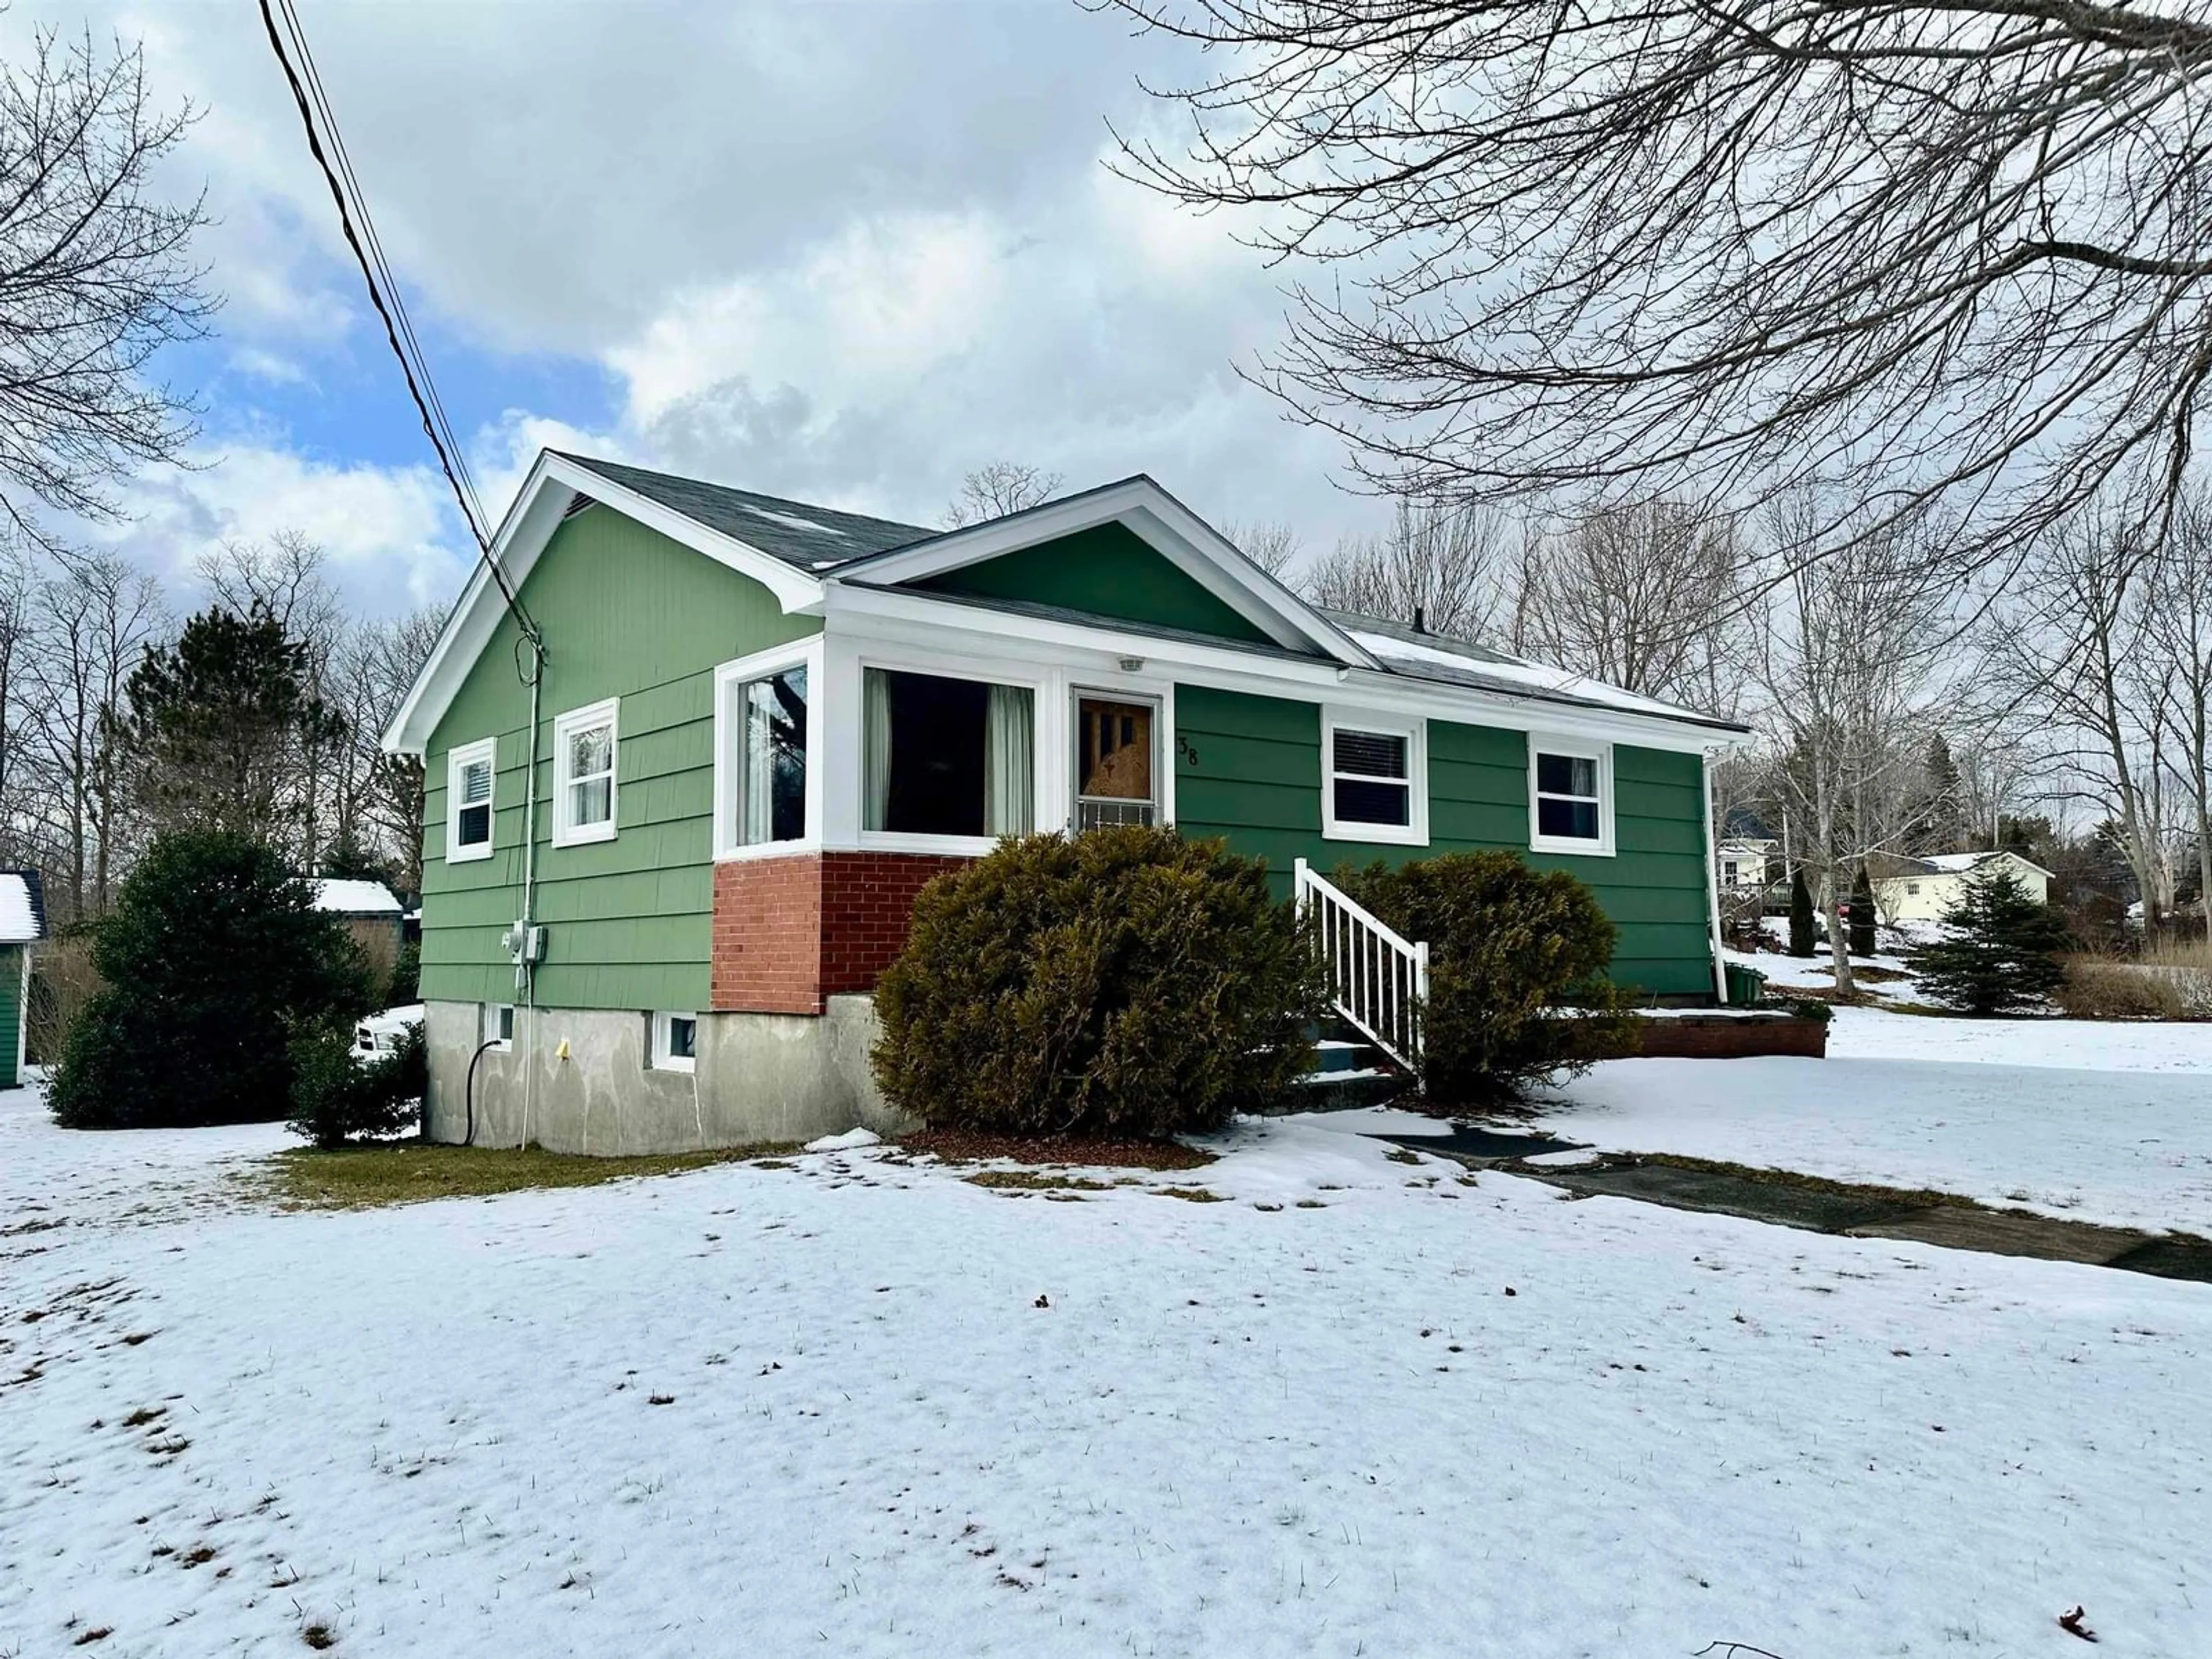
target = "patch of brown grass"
x: 415, y: 1171
x: 1037, y: 1180
x: 1190, y: 1194
x: 968, y: 1147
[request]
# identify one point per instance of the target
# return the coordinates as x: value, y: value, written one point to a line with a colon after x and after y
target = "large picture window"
x: 470, y: 770
x: 944, y: 757
x: 1569, y: 797
x: 584, y: 759
x: 1377, y: 782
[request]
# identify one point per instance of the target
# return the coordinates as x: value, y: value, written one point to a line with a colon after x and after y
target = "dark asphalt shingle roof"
x: 807, y: 537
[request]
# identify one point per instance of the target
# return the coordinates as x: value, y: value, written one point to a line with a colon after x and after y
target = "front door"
x: 1116, y: 760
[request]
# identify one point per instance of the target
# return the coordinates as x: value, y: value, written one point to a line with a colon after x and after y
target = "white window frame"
x: 730, y: 731
x: 1414, y: 832
x: 663, y: 1021
x: 566, y: 831
x: 981, y: 671
x: 458, y: 759
x: 1545, y: 743
x: 1163, y: 757
x: 487, y: 1027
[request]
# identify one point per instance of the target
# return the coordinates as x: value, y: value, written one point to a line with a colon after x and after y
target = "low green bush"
x: 1517, y: 991
x: 213, y: 959
x: 1121, y: 982
x: 337, y: 1097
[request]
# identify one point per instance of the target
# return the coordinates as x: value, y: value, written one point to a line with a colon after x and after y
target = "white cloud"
x: 391, y: 532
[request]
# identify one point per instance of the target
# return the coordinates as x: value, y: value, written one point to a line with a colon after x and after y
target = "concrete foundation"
x: 758, y: 1078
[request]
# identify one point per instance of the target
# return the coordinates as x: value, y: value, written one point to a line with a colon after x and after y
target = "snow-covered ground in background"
x: 864, y: 1408
x: 2095, y: 1122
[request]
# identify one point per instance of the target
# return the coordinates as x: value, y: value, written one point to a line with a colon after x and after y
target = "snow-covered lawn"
x: 2098, y: 1122
x: 857, y: 1407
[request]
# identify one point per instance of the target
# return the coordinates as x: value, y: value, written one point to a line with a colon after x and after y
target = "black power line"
x: 383, y: 289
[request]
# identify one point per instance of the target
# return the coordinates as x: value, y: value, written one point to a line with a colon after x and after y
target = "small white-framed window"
x: 1375, y: 778
x: 586, y: 742
x: 498, y: 1028
x: 767, y: 791
x: 675, y: 1042
x: 1570, y: 796
x: 471, y: 771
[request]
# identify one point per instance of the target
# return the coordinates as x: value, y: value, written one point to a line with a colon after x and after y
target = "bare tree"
x: 1845, y: 652
x: 1438, y: 567
x: 2176, y: 623
x: 994, y: 491
x: 1949, y: 248
x: 379, y: 667
x: 98, y: 615
x: 1647, y: 596
x: 2073, y: 646
x: 94, y: 278
x: 1271, y: 544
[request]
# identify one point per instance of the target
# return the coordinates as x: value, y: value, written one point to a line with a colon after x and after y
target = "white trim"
x: 659, y: 1056
x: 458, y: 759
x: 1712, y: 879
x: 1415, y: 730
x: 805, y: 653
x: 1163, y: 523
x: 566, y: 832
x: 488, y: 1024
x: 23, y: 1013
x: 535, y: 514
x: 1557, y: 743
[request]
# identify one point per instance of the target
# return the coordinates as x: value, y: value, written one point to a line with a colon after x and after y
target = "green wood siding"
x: 626, y: 613
x: 1249, y: 768
x: 11, y: 1012
x: 1108, y: 571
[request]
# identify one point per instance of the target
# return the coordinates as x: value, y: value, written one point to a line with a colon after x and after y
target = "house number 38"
x: 1186, y: 749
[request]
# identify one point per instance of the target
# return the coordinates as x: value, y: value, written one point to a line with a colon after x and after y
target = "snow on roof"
x: 356, y: 898
x: 20, y: 920
x: 1505, y: 672
x: 1961, y: 863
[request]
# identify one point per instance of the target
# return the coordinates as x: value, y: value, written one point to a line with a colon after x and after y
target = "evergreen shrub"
x: 1517, y: 991
x: 338, y: 1097
x: 2003, y: 955
x: 1125, y: 981
x: 213, y: 959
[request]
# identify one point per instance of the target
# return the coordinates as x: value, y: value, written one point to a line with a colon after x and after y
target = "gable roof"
x: 345, y: 897
x: 22, y: 906
x: 1959, y: 864
x: 804, y: 537
x: 802, y: 553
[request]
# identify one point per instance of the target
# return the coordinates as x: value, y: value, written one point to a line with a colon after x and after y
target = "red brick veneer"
x: 791, y: 932
x: 1726, y: 1037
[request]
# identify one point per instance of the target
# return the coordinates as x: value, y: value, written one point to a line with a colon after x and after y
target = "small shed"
x: 22, y: 924
x: 371, y: 914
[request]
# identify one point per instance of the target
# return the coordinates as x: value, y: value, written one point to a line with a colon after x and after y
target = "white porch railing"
x: 1378, y: 982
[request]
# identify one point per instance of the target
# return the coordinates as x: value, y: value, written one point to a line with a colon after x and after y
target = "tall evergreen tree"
x: 213, y: 728
x: 1861, y: 941
x: 1801, y: 942
x: 2001, y: 955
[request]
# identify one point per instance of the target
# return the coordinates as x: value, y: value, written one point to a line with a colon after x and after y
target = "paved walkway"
x: 1827, y: 1207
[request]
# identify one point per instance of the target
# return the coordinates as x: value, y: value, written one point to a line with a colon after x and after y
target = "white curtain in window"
x: 756, y: 799
x: 1009, y: 760
x: 875, y: 748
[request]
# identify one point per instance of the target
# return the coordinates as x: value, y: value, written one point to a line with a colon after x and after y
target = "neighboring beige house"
x: 1746, y: 861
x: 1923, y: 888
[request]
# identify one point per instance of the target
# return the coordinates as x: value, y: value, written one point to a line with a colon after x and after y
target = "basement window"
x: 675, y: 1042
x: 1569, y: 797
x: 470, y: 770
x: 499, y: 1025
x: 583, y: 754
x: 946, y: 758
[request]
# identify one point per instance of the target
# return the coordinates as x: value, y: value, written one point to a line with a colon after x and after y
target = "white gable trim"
x: 1163, y: 524
x: 539, y: 506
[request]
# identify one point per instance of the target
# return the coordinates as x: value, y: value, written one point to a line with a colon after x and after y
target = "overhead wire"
x: 318, y: 119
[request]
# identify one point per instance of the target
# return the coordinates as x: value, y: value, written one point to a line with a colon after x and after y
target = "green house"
x: 22, y: 924
x: 663, y: 868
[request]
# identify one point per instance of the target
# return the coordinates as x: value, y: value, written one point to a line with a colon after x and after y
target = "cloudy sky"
x: 841, y: 251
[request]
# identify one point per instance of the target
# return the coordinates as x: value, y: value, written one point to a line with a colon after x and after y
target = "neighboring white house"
x: 1745, y: 861
x: 1926, y: 887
